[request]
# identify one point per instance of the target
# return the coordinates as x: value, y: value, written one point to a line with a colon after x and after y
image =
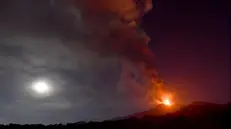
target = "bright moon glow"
x: 41, y: 87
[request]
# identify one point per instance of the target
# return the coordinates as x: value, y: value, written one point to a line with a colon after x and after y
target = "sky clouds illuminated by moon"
x: 33, y: 48
x: 72, y: 78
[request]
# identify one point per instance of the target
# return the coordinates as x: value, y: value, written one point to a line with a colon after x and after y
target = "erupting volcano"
x: 167, y: 102
x: 63, y: 61
x: 113, y: 28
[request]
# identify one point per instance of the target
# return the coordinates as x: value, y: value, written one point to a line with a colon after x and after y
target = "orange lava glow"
x: 165, y: 99
x: 167, y: 102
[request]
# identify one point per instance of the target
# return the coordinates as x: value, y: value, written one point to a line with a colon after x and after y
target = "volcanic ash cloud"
x: 111, y: 28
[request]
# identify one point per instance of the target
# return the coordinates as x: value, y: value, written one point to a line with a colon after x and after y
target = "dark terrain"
x: 198, y: 115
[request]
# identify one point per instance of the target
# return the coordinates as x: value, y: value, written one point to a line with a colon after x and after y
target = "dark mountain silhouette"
x: 159, y: 110
x: 198, y: 115
x: 194, y: 109
x: 203, y: 109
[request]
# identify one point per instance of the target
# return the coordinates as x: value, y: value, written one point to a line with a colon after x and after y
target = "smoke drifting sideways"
x: 111, y: 28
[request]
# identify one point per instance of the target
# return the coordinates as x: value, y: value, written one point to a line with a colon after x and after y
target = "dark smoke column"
x: 112, y: 30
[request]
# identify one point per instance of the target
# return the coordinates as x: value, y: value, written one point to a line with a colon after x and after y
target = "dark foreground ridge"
x: 198, y: 115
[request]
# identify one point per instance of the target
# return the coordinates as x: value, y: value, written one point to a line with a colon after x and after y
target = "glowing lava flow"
x: 167, y: 102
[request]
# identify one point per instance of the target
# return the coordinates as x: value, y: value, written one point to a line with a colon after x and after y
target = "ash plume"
x: 111, y: 28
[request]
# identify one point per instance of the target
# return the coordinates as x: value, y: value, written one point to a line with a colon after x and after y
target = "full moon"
x: 41, y: 87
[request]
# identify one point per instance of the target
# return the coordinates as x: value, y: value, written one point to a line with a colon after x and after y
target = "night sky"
x: 192, y: 47
x: 43, y: 41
